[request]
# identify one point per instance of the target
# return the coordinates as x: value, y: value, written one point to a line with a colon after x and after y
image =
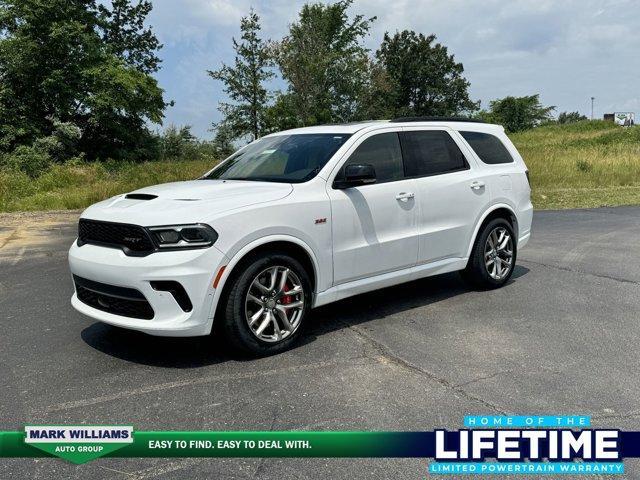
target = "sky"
x: 566, y: 50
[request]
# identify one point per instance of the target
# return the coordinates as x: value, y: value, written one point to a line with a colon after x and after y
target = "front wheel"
x: 493, y: 256
x: 267, y: 305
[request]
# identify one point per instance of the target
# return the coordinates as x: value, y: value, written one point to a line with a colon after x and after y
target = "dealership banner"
x: 528, y: 444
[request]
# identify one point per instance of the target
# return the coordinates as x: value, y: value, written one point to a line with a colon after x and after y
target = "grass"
x: 586, y: 164
x: 75, y: 186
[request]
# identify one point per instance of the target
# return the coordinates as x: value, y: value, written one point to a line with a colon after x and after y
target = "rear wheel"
x: 493, y: 255
x: 267, y: 305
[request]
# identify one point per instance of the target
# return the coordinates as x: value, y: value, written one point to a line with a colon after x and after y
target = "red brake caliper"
x: 287, y: 299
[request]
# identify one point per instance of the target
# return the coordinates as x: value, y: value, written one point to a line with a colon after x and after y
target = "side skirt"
x: 389, y: 279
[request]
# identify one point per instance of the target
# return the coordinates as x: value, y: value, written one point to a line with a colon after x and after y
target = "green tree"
x: 518, y: 113
x: 114, y: 114
x: 244, y: 81
x: 123, y: 30
x: 570, y: 117
x: 44, y: 49
x: 423, y: 78
x: 376, y: 99
x: 325, y: 63
x: 56, y: 67
x: 223, y: 141
x: 176, y: 142
x: 282, y: 114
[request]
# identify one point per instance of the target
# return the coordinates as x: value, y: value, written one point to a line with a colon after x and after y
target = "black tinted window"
x: 431, y: 152
x: 488, y: 147
x: 384, y: 153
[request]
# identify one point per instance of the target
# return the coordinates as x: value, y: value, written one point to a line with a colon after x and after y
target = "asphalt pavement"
x: 560, y: 338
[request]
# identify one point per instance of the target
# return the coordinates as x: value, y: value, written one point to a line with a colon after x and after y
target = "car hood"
x: 185, y: 202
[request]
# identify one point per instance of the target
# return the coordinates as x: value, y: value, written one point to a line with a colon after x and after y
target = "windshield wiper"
x: 252, y: 179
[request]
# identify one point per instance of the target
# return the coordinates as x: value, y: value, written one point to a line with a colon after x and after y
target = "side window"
x: 384, y: 153
x: 488, y: 147
x: 431, y: 152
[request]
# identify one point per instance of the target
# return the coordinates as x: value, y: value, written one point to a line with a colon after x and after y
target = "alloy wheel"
x: 274, y: 304
x: 498, y: 253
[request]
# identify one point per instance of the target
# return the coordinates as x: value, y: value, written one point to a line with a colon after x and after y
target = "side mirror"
x: 357, y: 174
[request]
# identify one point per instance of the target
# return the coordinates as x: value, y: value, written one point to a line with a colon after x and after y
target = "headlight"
x: 183, y: 236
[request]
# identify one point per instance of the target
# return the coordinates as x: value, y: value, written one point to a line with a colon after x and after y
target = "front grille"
x: 126, y: 302
x: 132, y: 239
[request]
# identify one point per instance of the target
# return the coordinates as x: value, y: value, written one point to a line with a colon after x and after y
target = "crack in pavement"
x: 485, y: 377
x: 391, y: 357
x: 581, y: 272
x: 261, y: 463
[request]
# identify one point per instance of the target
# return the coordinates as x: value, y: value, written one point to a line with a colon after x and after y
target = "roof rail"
x: 435, y: 119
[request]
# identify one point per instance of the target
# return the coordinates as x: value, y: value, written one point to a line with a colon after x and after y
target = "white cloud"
x: 566, y: 51
x: 193, y: 20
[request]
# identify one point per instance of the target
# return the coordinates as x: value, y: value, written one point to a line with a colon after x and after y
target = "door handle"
x: 405, y: 196
x: 477, y: 185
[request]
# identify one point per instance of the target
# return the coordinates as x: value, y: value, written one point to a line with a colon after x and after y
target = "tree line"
x: 77, y: 81
x: 333, y: 78
x: 75, y: 71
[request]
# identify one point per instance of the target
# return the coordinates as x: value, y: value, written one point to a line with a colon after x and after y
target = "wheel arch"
x: 293, y: 246
x: 501, y: 210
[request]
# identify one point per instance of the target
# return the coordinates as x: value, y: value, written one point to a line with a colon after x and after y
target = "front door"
x: 374, y: 226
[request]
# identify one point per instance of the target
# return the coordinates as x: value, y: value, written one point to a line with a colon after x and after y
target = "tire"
x: 484, y: 273
x: 249, y: 305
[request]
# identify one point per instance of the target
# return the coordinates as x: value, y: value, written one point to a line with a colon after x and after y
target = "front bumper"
x: 193, y: 269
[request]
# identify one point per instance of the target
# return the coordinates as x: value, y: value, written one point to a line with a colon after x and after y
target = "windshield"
x: 282, y: 158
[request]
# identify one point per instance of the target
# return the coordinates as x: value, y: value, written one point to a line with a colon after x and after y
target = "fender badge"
x: 320, y: 220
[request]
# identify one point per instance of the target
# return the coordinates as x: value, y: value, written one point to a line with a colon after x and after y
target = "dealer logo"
x: 78, y: 444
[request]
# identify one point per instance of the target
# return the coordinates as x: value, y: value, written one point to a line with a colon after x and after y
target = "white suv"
x: 302, y: 218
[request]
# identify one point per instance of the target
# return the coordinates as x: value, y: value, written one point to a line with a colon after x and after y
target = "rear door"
x: 374, y: 226
x: 451, y: 190
x: 503, y: 174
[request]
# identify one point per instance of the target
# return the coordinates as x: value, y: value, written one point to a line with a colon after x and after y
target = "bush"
x: 30, y: 160
x: 60, y: 146
x: 516, y: 114
x: 177, y: 142
x: 570, y: 117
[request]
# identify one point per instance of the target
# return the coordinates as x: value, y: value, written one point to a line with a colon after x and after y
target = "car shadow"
x: 168, y: 352
x: 196, y: 352
x: 389, y: 301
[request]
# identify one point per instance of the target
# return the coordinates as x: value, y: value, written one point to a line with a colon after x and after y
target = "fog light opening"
x: 176, y: 290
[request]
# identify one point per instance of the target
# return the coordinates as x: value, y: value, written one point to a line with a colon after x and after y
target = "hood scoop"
x: 140, y: 196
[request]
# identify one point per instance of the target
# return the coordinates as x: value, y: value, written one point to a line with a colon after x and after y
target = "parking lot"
x: 560, y: 338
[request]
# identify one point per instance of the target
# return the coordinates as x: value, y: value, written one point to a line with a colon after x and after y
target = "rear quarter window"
x: 488, y: 147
